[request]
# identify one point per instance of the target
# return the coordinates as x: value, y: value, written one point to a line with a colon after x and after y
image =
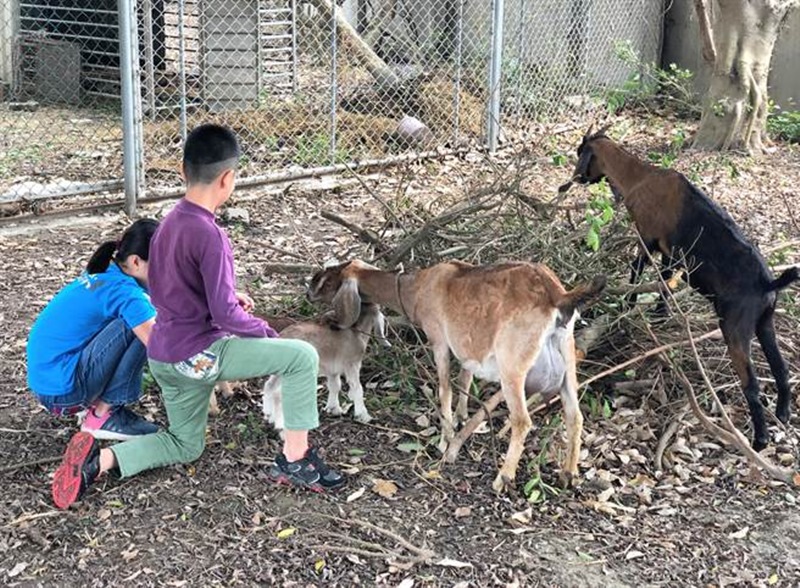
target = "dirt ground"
x: 706, y: 519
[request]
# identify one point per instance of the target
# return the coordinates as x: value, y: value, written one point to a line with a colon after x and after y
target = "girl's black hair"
x: 135, y: 241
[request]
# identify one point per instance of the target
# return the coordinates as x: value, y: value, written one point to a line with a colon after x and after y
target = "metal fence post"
x: 182, y: 67
x: 495, y: 73
x: 459, y: 64
x: 334, y: 51
x: 129, y: 87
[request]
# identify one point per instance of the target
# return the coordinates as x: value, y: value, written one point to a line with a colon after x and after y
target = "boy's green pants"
x: 186, y: 398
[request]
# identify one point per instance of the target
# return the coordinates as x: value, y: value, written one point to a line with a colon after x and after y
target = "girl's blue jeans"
x: 110, y: 369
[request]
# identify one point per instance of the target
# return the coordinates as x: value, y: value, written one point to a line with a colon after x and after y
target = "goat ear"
x: 379, y: 329
x: 602, y: 130
x: 347, y: 303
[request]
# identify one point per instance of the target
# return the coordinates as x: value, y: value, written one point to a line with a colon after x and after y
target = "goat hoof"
x: 501, y: 483
x: 759, y: 444
x: 783, y: 415
x: 334, y: 410
x: 363, y: 418
x: 568, y: 479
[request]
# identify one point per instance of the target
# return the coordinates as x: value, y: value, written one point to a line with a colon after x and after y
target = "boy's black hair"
x: 209, y: 151
x: 134, y: 241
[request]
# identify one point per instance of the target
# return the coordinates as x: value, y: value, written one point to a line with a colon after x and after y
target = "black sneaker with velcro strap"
x: 310, y: 472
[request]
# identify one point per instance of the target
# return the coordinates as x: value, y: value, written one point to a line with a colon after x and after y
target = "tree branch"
x: 709, y: 50
x: 366, y: 235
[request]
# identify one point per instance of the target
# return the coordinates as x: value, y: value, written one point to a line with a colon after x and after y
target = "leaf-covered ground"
x: 705, y: 519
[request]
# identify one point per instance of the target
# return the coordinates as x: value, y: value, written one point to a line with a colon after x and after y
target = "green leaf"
x: 410, y: 447
x: 593, y: 239
x: 356, y: 451
x: 606, y: 409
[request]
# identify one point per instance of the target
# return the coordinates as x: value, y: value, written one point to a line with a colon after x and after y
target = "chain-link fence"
x: 304, y: 83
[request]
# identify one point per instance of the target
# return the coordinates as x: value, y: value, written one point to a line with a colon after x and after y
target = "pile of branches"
x: 677, y: 365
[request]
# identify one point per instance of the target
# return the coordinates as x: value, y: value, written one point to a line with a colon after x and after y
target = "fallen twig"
x: 658, y: 459
x: 32, y: 517
x: 366, y: 235
x: 287, y: 268
x: 27, y: 464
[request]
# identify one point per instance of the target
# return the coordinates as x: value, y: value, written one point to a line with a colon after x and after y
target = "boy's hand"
x: 245, y: 301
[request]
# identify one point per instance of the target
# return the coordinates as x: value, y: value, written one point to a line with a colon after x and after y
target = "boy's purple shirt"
x: 191, y: 284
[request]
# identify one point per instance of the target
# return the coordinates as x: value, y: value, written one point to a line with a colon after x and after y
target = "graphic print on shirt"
x: 90, y: 281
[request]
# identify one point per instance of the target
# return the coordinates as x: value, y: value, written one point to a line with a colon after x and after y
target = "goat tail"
x: 785, y: 279
x: 581, y: 296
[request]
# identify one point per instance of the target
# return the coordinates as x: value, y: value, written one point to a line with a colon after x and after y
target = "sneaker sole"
x: 67, y: 479
x: 288, y: 482
x: 102, y: 435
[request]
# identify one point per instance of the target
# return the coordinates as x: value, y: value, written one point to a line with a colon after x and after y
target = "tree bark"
x: 744, y: 35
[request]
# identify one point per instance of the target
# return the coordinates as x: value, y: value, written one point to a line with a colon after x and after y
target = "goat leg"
x: 514, y: 394
x: 334, y: 384
x: 481, y: 415
x: 272, y: 405
x: 464, y: 384
x: 739, y: 350
x: 573, y: 419
x: 769, y: 345
x: 441, y: 355
x: 356, y: 393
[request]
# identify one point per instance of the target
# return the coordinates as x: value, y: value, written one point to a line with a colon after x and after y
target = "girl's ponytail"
x: 101, y: 258
x: 135, y: 241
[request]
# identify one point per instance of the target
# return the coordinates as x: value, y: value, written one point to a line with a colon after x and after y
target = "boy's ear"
x: 226, y: 179
x: 183, y: 172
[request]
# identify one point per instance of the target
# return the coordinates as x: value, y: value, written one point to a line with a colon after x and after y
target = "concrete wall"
x: 682, y: 46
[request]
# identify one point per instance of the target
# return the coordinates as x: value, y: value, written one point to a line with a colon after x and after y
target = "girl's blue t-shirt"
x: 71, y: 320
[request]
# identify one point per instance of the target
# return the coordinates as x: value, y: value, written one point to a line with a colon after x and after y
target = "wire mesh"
x: 60, y: 128
x: 304, y: 83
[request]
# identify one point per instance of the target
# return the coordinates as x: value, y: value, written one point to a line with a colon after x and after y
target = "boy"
x: 191, y: 347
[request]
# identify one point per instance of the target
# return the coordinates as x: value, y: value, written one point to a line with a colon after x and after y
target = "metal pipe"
x: 294, y: 46
x: 149, y: 66
x: 520, y: 57
x: 182, y: 68
x: 254, y: 181
x: 457, y: 85
x: 126, y: 57
x: 495, y: 73
x: 333, y: 83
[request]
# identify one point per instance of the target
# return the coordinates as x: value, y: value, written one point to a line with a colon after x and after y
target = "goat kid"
x: 341, y: 351
x: 510, y: 323
x: 676, y: 219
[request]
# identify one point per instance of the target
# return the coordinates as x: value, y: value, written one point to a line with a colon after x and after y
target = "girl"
x: 86, y: 349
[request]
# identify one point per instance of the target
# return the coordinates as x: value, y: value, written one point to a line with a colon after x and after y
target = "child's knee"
x: 307, y: 358
x: 190, y: 450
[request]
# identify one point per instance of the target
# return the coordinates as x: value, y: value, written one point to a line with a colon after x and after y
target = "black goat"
x: 676, y: 219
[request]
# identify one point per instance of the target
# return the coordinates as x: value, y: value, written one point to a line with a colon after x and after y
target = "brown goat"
x: 510, y: 323
x: 690, y: 230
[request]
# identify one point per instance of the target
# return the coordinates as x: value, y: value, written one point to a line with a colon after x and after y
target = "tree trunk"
x: 382, y: 73
x: 744, y: 35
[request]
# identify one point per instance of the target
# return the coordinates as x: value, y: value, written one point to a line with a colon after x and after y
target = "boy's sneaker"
x: 310, y: 472
x: 118, y: 424
x: 78, y: 469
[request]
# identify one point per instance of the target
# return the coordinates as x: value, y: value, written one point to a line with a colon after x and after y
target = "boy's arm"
x: 216, y: 267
